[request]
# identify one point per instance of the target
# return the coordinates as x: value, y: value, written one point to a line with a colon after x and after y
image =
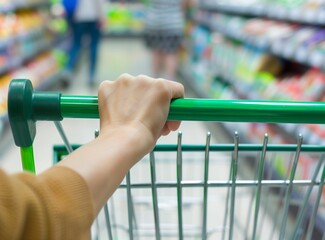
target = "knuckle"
x: 125, y: 77
x: 162, y: 89
x: 143, y: 77
x: 103, y: 85
x: 104, y: 90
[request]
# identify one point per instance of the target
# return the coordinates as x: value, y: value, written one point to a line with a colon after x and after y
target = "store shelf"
x: 10, y: 8
x: 278, y: 48
x: 36, y: 5
x: 18, y: 61
x: 247, y: 90
x: 8, y: 42
x: 314, y: 17
x: 14, y: 62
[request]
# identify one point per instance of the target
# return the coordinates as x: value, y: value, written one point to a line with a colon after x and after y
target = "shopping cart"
x: 209, y: 191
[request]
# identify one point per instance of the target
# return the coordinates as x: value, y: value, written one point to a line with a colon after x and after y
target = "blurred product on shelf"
x: 304, y: 11
x: 29, y: 36
x: 267, y: 76
x: 288, y: 40
x: 125, y: 19
x: 4, y: 83
x: 23, y: 36
x: 12, y: 5
x: 39, y: 70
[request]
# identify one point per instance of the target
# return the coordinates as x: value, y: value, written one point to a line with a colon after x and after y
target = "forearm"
x: 104, y: 162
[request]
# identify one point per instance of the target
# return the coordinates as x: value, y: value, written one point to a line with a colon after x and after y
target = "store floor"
x: 116, y: 57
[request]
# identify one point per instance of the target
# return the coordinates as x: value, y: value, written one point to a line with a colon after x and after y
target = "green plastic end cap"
x: 26, y: 106
x: 23, y: 127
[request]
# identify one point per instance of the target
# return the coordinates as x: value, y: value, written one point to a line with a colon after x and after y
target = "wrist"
x: 134, y: 141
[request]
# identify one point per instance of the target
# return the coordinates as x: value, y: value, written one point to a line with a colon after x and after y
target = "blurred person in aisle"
x: 88, y: 20
x: 164, y: 32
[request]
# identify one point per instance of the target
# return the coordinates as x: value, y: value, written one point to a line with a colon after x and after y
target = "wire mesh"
x: 204, y: 192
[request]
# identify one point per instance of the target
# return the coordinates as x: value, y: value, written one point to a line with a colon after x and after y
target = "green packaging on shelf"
x: 60, y: 56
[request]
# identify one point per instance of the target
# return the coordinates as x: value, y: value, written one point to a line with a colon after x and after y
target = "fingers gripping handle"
x: 25, y: 106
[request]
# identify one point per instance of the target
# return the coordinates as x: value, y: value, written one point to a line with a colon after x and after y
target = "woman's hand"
x: 138, y: 105
x: 133, y: 115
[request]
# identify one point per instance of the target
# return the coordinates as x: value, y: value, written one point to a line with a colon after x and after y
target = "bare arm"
x: 133, y: 114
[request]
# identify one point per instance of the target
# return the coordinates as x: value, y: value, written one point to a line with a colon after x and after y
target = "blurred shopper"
x: 164, y: 34
x: 88, y: 19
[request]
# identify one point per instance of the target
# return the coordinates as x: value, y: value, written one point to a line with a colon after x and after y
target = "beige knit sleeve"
x: 53, y: 205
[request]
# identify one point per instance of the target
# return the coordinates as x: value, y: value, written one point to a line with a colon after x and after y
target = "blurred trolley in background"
x: 209, y: 191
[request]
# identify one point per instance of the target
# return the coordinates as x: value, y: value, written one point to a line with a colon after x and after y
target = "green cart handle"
x: 26, y: 106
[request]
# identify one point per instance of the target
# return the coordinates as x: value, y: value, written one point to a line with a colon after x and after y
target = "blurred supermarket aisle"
x: 233, y: 52
x: 116, y: 57
x: 129, y: 55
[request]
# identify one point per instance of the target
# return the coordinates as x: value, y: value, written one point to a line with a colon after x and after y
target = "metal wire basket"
x: 209, y: 191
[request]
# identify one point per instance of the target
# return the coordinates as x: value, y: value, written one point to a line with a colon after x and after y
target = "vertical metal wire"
x: 154, y: 195
x: 96, y: 133
x: 280, y: 198
x: 316, y: 205
x: 65, y: 140
x: 130, y: 207
x: 268, y: 176
x: 225, y: 218
x: 98, y: 229
x: 249, y: 211
x: 233, y: 186
x: 289, y: 189
x: 108, y: 222
x: 179, y: 186
x: 298, y: 230
x: 259, y: 186
x: 113, y: 216
x: 205, y: 186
